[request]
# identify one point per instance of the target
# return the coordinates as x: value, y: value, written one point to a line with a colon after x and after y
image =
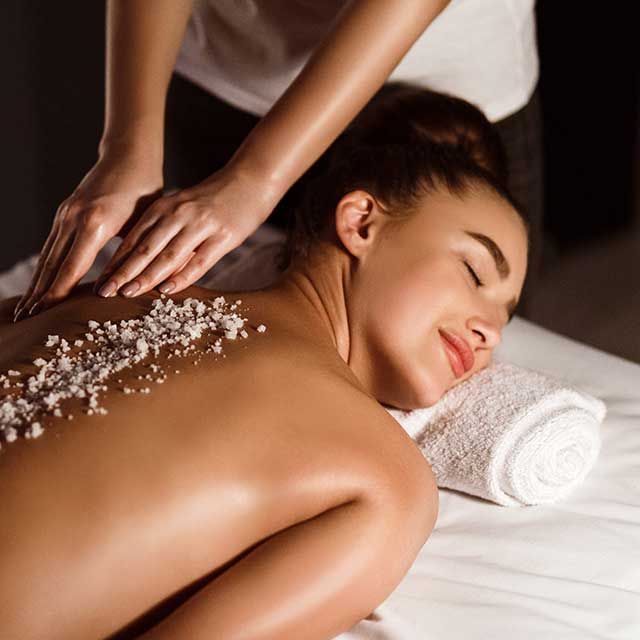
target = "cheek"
x: 402, y: 333
x: 411, y: 304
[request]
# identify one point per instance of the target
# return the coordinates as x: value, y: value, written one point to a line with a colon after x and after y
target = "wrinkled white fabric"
x: 248, y: 52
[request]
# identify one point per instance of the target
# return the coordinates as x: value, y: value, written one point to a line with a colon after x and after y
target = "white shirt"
x: 248, y: 52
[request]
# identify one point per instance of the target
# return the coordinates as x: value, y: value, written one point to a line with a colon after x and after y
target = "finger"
x: 147, y: 249
x: 56, y: 255
x: 205, y: 258
x: 78, y: 260
x: 171, y: 259
x: 191, y: 254
x: 133, y: 240
x: 44, y: 254
x: 181, y: 267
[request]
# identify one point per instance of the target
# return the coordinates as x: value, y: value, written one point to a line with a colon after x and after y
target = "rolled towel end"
x: 554, y: 452
x: 511, y: 435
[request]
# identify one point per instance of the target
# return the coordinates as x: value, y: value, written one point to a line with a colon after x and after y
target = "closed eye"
x: 477, y: 280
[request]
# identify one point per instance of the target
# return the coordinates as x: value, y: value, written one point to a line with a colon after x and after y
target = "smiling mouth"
x: 454, y: 358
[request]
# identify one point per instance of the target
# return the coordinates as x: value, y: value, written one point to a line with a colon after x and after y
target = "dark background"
x: 52, y: 57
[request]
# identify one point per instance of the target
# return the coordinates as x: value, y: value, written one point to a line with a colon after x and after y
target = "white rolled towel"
x: 509, y: 434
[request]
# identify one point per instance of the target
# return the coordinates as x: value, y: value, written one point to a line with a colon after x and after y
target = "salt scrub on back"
x: 119, y: 346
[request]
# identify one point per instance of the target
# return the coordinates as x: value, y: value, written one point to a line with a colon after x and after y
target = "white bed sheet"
x: 568, y: 571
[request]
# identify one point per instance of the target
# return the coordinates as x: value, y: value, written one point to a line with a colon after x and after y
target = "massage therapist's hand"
x: 105, y: 204
x: 183, y: 234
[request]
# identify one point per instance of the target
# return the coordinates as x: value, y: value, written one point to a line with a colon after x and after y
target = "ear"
x: 359, y: 220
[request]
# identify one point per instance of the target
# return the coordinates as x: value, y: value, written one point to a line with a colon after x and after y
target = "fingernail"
x: 108, y: 289
x: 35, y: 308
x: 167, y: 286
x: 18, y: 315
x: 130, y: 289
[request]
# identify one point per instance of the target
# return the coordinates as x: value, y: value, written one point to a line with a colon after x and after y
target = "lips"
x: 459, y: 352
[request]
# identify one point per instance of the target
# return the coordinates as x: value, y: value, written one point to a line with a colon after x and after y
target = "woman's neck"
x: 319, y: 285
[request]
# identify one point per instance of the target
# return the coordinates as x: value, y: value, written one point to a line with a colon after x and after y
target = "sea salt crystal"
x: 34, y: 430
x: 51, y: 399
x: 82, y: 375
x: 142, y: 347
x: 261, y: 328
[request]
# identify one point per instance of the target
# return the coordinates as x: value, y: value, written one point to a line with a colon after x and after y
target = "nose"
x: 487, y: 333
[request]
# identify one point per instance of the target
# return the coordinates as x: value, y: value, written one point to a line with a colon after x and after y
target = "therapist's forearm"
x: 351, y: 64
x: 142, y: 42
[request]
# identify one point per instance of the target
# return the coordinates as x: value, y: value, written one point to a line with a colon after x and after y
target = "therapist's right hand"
x: 107, y: 203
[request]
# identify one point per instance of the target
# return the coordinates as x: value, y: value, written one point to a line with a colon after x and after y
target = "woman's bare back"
x: 170, y: 485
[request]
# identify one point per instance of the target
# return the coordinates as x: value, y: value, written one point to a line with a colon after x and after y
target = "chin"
x: 419, y: 392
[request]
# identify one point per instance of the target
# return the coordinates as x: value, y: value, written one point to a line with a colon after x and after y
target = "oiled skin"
x: 104, y: 517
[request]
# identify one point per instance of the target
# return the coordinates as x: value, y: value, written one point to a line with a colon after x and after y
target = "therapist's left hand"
x: 183, y: 235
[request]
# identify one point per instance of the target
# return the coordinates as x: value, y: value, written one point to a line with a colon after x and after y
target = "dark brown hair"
x: 407, y: 142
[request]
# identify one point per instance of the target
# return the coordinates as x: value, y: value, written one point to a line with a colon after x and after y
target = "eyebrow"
x: 502, y: 265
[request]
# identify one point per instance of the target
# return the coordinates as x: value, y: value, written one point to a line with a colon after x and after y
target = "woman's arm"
x: 346, y: 70
x: 142, y: 41
x: 181, y: 236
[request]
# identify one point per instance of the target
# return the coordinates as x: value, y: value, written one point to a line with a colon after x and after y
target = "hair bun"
x: 404, y: 113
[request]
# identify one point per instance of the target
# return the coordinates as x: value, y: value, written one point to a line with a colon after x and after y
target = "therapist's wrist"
x: 142, y: 159
x: 271, y: 184
x: 136, y: 143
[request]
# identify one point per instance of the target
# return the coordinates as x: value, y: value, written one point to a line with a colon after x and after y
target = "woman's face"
x: 413, y: 281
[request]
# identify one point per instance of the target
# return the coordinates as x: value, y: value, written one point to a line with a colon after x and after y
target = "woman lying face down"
x: 424, y: 242
x: 395, y: 289
x: 261, y: 491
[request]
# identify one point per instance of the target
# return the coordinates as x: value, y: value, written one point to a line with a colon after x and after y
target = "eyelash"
x: 477, y: 280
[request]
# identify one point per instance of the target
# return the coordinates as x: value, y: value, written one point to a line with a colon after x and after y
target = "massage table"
x: 563, y: 571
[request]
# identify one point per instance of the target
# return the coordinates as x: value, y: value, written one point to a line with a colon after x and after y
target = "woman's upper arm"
x: 365, y: 44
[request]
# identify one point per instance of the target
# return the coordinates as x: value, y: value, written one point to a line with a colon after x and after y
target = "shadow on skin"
x: 157, y: 613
